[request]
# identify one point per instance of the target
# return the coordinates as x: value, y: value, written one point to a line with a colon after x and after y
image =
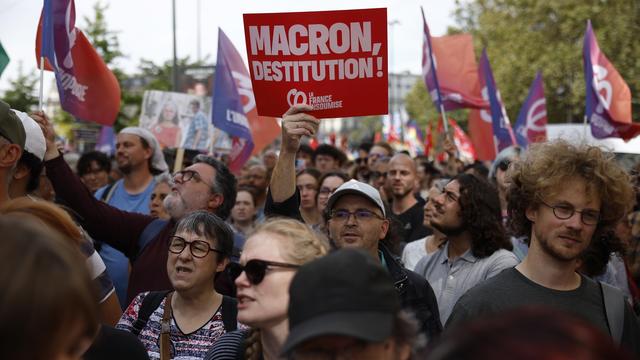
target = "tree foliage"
x: 23, y: 92
x: 524, y: 36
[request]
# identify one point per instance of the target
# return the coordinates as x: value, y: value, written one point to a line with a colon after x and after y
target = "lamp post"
x: 392, y: 93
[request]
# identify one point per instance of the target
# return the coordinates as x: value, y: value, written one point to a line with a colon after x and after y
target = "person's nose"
x: 575, y: 221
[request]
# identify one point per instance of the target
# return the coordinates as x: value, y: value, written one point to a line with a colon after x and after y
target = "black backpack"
x: 153, y: 299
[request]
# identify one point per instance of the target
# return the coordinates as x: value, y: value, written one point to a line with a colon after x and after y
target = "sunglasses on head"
x: 256, y: 269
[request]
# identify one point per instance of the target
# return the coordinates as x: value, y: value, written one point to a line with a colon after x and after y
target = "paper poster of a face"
x: 180, y: 120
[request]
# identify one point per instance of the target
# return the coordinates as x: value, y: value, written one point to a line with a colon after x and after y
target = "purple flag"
x: 531, y: 125
x: 502, y: 133
x: 229, y: 113
x: 608, y: 107
x: 106, y: 140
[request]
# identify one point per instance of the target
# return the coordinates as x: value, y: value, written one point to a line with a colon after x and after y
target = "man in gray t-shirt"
x: 556, y: 197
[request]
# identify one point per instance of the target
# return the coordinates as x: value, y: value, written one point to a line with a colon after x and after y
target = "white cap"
x: 356, y: 187
x: 35, y: 142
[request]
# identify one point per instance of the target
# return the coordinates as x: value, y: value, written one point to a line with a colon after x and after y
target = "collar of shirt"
x: 467, y: 256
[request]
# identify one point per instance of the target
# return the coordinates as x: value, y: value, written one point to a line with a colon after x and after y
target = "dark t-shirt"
x: 411, y: 221
x: 510, y: 289
x: 114, y: 343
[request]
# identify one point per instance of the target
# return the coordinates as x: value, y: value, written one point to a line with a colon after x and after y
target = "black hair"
x: 224, y: 183
x: 481, y: 215
x: 204, y: 223
x: 334, y: 152
x: 305, y: 149
x: 35, y: 166
x: 84, y: 163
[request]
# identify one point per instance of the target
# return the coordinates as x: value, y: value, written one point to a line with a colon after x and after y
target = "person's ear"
x: 9, y: 155
x: 215, y: 201
x: 222, y: 265
x: 531, y: 213
x: 384, y: 228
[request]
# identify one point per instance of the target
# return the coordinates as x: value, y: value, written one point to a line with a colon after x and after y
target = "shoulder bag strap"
x: 165, y: 341
x: 149, y: 304
x: 229, y: 313
x: 614, y: 309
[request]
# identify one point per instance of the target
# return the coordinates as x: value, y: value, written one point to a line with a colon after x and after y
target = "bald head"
x: 404, y: 160
x: 401, y: 176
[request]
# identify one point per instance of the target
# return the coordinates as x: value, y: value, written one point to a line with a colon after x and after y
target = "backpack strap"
x: 149, y: 233
x: 229, y: 313
x: 108, y: 192
x: 614, y: 309
x: 149, y: 304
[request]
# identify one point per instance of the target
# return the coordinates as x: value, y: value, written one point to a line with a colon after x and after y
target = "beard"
x: 449, y: 230
x: 175, y: 206
x: 556, y: 251
x: 126, y: 168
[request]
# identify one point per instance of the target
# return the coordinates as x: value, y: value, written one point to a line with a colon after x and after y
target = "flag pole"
x: 435, y: 76
x: 41, y: 82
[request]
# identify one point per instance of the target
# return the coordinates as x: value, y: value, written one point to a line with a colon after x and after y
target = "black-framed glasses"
x: 198, y: 248
x: 326, y: 191
x: 360, y: 215
x: 565, y: 211
x: 377, y: 174
x: 184, y: 176
x: 256, y: 269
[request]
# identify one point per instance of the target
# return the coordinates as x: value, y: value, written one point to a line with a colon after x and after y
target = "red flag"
x: 457, y: 71
x: 87, y: 88
x: 481, y: 133
x: 428, y: 140
x: 608, y: 97
x: 466, y: 150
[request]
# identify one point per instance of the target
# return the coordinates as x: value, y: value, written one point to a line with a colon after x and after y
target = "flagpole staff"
x: 435, y: 78
x: 41, y: 83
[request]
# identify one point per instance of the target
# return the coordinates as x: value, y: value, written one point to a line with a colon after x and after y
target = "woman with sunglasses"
x: 194, y: 313
x: 269, y: 261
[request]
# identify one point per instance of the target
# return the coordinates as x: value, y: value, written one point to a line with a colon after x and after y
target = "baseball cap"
x: 348, y: 293
x: 356, y: 187
x: 11, y: 126
x: 35, y: 142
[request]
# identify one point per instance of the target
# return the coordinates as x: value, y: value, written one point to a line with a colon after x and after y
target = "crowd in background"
x: 366, y: 252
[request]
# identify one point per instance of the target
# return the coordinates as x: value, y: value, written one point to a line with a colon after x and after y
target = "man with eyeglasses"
x: 12, y: 142
x: 207, y: 184
x: 564, y: 198
x: 355, y: 217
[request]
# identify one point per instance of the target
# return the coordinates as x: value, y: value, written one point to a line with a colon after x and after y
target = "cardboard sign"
x: 335, y: 61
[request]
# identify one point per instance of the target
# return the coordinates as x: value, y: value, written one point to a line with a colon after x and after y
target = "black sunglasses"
x: 255, y: 269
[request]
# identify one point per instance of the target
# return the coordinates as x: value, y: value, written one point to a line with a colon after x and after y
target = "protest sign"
x: 181, y: 120
x: 335, y: 61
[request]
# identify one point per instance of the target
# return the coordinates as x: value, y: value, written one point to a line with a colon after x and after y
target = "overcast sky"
x: 144, y: 27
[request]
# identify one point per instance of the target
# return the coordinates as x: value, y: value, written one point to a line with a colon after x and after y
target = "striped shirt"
x: 230, y: 346
x: 183, y: 346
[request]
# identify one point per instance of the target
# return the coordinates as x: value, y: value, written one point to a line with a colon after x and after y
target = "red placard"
x: 335, y: 61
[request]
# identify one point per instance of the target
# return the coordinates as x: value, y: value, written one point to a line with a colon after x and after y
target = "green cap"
x: 11, y: 126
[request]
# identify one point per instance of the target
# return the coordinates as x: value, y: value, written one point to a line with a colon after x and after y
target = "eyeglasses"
x: 186, y: 175
x: 564, y: 212
x: 198, y: 248
x: 256, y: 269
x: 377, y: 174
x: 504, y: 165
x: 360, y: 215
x: 326, y: 191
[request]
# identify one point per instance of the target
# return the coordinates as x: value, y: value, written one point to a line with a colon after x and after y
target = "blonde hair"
x: 49, y: 213
x: 303, y: 244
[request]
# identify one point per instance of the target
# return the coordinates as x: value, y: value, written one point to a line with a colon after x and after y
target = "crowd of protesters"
x: 363, y: 253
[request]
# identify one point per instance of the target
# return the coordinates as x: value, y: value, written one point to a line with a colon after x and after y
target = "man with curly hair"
x: 477, y: 248
x: 565, y: 198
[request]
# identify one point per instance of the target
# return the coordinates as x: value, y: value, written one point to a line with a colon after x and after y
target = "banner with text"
x: 335, y: 61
